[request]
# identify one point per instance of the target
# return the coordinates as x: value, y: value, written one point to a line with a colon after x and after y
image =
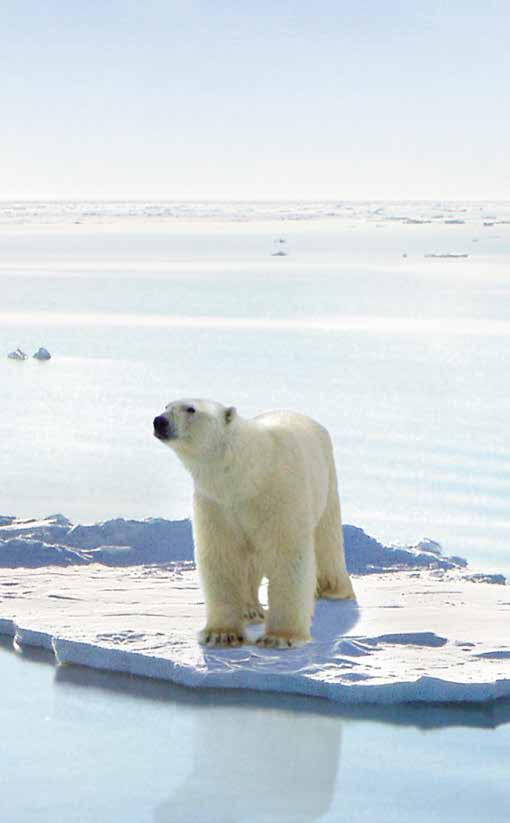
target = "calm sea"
x: 403, y: 357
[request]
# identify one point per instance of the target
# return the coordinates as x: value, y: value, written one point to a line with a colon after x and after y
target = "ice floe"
x: 407, y: 638
x: 423, y: 628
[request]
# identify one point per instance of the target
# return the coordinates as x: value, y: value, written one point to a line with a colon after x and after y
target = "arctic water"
x: 401, y: 356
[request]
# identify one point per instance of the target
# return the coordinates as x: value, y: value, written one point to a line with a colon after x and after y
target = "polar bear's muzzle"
x: 163, y: 429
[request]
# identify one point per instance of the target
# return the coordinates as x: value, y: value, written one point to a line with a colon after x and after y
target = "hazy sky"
x: 260, y: 99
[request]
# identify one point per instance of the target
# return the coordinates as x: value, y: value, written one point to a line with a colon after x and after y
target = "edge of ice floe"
x: 425, y: 689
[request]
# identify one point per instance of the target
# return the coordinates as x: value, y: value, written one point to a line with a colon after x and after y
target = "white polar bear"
x: 265, y: 505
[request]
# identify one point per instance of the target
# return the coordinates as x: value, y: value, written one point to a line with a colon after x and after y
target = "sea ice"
x: 17, y: 354
x: 406, y: 638
x: 121, y: 542
x: 42, y: 354
x: 421, y: 629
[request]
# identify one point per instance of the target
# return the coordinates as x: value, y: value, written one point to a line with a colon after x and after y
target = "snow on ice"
x: 123, y: 595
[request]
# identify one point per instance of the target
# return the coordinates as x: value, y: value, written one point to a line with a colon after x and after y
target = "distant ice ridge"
x: 412, y: 213
x: 55, y: 541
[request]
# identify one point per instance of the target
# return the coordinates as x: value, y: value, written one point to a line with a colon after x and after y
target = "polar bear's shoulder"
x: 281, y: 417
x: 285, y: 417
x: 284, y: 420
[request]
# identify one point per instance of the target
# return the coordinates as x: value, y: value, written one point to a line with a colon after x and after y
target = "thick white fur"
x: 265, y: 505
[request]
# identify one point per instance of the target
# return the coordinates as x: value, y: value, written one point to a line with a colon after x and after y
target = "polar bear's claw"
x: 280, y: 641
x: 254, y: 615
x: 209, y: 637
x: 339, y: 589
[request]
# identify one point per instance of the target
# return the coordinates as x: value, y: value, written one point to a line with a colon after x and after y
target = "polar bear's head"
x: 195, y: 429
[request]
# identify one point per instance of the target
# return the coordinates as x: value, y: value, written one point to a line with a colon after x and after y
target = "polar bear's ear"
x: 230, y: 413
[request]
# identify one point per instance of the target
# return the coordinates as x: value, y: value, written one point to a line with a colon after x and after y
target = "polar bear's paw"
x: 272, y: 640
x: 339, y: 588
x: 228, y: 638
x: 254, y: 614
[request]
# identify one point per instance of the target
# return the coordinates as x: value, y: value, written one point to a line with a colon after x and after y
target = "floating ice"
x: 409, y: 636
x: 421, y: 629
x: 17, y: 354
x: 42, y: 354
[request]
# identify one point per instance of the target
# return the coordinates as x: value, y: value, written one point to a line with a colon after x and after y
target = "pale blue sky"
x: 261, y: 99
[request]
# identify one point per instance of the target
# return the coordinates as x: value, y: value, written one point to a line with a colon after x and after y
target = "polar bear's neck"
x: 239, y: 471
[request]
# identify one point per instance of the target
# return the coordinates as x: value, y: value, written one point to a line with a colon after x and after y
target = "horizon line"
x: 209, y: 199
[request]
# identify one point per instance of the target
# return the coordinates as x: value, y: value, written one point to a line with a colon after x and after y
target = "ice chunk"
x: 17, y: 552
x: 153, y: 540
x: 364, y: 554
x: 17, y: 354
x: 480, y: 577
x: 42, y: 354
x: 428, y: 545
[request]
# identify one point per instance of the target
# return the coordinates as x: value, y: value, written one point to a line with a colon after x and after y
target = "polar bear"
x: 265, y: 505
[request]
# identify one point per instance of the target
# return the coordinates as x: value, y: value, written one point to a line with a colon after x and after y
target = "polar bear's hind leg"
x: 332, y: 578
x: 253, y: 611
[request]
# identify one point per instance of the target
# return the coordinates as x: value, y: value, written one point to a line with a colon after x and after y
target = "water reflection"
x: 160, y: 752
x: 260, y: 764
x: 425, y: 716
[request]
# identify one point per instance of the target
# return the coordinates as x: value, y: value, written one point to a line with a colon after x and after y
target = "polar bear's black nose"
x: 161, y: 426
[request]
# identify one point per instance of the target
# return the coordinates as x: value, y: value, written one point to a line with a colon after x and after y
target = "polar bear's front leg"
x: 291, y: 592
x: 219, y: 555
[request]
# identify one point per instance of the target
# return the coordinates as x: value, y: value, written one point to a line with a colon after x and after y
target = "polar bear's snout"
x: 161, y: 426
x: 163, y: 430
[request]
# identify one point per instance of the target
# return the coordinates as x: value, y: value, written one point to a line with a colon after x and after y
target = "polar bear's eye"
x: 190, y: 409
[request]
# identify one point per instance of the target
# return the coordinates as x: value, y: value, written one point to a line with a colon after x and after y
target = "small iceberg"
x: 279, y: 254
x: 42, y: 354
x: 18, y: 354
